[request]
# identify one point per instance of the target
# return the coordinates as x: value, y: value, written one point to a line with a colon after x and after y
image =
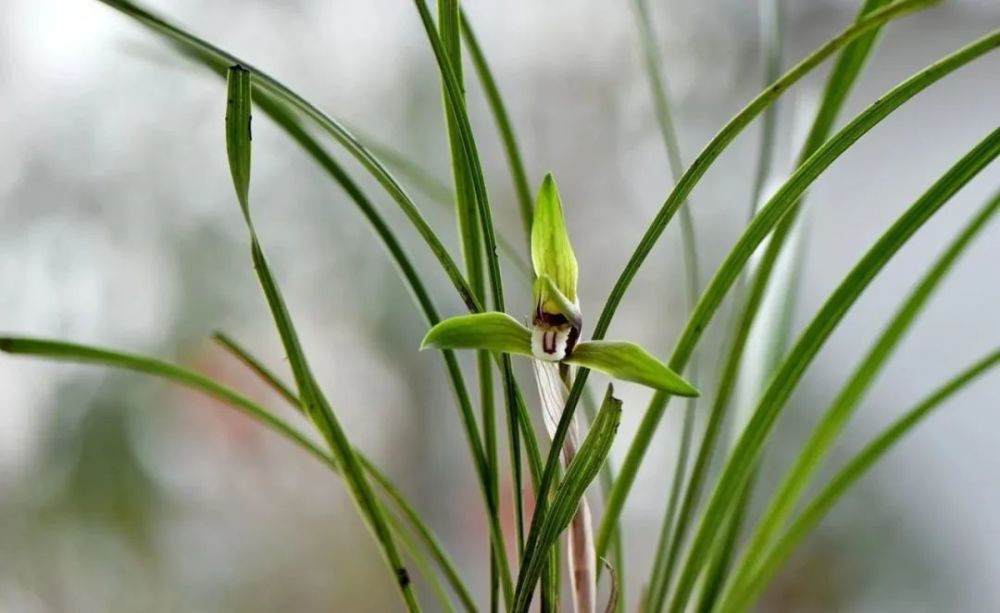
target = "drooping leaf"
x: 566, y: 500
x: 493, y: 331
x: 316, y: 405
x: 551, y: 251
x: 87, y: 354
x: 630, y: 362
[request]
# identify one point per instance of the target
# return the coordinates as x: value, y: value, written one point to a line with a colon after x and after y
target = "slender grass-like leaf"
x: 772, y: 19
x: 743, y: 458
x: 86, y: 354
x: 846, y: 403
x: 566, y: 499
x: 664, y: 116
x: 763, y: 223
x: 677, y: 196
x: 606, y: 479
x: 318, y: 409
x: 722, y: 556
x: 840, y: 81
x: 845, y: 478
x: 473, y: 173
x: 272, y: 96
x: 668, y: 133
x: 219, y: 60
x: 425, y: 534
x: 419, y: 561
x: 436, y: 191
x: 504, y: 126
x: 472, y: 250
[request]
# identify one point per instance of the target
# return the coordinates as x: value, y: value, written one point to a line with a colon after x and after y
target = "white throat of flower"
x: 550, y: 343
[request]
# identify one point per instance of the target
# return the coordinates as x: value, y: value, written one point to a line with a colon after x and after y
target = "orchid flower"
x: 557, y: 322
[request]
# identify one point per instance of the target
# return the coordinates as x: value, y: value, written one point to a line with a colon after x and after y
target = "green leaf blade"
x: 317, y: 407
x: 581, y: 472
x: 238, y: 131
x: 793, y: 367
x: 493, y: 331
x: 630, y: 362
x: 854, y: 470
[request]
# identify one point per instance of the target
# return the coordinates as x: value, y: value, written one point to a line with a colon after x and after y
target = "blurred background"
x: 118, y: 227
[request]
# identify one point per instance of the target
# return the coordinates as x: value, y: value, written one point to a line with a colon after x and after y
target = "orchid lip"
x: 552, y: 336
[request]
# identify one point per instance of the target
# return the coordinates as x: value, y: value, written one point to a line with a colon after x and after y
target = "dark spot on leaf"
x: 402, y: 577
x: 249, y: 131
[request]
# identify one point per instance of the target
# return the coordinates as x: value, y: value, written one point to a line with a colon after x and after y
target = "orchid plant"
x: 702, y: 560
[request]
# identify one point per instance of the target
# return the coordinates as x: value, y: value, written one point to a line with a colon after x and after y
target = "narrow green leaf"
x: 437, y: 192
x: 844, y: 406
x: 580, y: 473
x: 744, y: 457
x: 467, y: 215
x: 765, y: 221
x: 425, y: 534
x: 551, y: 251
x: 497, y: 332
x: 503, y: 123
x: 238, y: 132
x: 219, y: 60
x: 419, y: 561
x: 279, y: 112
x: 664, y: 118
x: 450, y: 79
x: 630, y: 362
x: 700, y: 318
x: 854, y: 470
x: 317, y: 407
x: 86, y: 354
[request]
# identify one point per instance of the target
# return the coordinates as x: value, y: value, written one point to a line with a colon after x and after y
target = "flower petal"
x: 551, y: 300
x: 491, y: 331
x: 551, y: 252
x: 630, y: 362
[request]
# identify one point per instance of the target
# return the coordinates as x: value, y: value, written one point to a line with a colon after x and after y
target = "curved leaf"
x: 848, y: 475
x: 630, y: 362
x: 493, y: 331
